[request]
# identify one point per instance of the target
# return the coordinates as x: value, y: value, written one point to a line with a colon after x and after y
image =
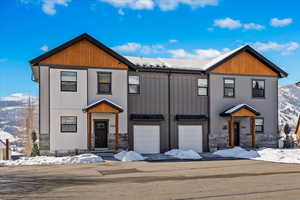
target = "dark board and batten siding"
x: 154, y: 99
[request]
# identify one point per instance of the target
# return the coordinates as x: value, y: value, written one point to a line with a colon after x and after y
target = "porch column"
x: 89, y: 132
x: 253, y: 131
x: 117, y: 132
x: 231, y: 131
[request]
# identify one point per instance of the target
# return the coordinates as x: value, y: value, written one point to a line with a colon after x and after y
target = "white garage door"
x: 190, y: 137
x: 146, y: 139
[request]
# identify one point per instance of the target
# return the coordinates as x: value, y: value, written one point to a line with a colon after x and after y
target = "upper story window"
x: 258, y: 88
x: 202, y: 87
x: 229, y: 87
x: 133, y: 84
x: 259, y: 125
x: 68, y: 124
x: 104, y: 82
x: 68, y: 82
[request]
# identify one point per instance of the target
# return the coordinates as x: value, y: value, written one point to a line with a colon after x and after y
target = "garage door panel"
x: 146, y: 139
x: 190, y: 137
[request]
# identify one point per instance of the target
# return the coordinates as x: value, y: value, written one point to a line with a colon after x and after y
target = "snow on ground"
x: 236, y: 152
x: 49, y: 160
x: 263, y: 154
x: 181, y: 154
x: 128, y: 156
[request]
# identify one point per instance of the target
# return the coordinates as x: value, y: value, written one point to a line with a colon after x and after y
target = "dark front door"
x: 101, y: 132
x: 236, y: 134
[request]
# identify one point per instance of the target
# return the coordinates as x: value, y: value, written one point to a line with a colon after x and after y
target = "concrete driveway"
x: 235, y: 179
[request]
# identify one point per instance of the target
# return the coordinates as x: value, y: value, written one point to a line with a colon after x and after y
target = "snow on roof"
x: 193, y: 64
x: 237, y: 107
x: 102, y: 100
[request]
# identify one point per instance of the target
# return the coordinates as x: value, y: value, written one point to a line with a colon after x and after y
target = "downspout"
x: 169, y: 109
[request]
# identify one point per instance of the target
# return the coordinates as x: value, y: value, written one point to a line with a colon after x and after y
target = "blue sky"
x: 149, y: 28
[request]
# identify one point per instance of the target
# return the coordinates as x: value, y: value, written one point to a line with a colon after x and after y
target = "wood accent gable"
x: 298, y: 128
x: 103, y: 108
x: 243, y: 113
x: 83, y: 53
x: 246, y: 64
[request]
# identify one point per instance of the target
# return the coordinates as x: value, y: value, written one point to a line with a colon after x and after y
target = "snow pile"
x: 128, y: 156
x: 181, y: 154
x: 5, y: 135
x: 279, y: 155
x: 237, y: 152
x: 49, y: 160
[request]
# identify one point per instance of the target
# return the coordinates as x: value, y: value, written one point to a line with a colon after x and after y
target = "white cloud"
x: 197, y: 53
x: 284, y: 48
x: 227, y: 23
x: 173, y: 41
x: 164, y: 5
x: 280, y: 22
x: 173, y: 4
x: 132, y: 47
x: 253, y: 26
x: 230, y: 23
x: 133, y: 4
x: 44, y: 48
x: 121, y: 12
x: 49, y: 6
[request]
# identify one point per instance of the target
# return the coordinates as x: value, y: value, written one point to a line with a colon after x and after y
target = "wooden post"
x: 253, y: 131
x: 231, y: 131
x: 7, y: 150
x: 117, y: 132
x: 89, y: 134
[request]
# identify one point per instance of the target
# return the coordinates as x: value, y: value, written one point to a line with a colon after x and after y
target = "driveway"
x: 235, y: 179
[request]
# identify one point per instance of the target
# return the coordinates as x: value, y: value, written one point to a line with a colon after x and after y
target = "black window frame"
x: 224, y: 88
x: 61, y: 124
x: 61, y: 82
x: 252, y: 89
x: 138, y: 85
x: 98, y: 83
x: 201, y: 87
x: 262, y: 126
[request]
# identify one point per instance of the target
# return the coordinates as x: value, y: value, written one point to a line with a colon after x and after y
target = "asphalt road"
x: 237, y: 179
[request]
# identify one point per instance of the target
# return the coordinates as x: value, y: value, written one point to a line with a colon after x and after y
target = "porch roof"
x: 103, y: 105
x: 240, y: 110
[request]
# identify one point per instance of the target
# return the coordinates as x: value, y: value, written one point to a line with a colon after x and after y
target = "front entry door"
x: 101, y: 132
x: 236, y: 134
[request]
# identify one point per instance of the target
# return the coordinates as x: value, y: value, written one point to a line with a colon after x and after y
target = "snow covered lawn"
x: 263, y: 154
x: 181, y: 154
x: 129, y: 156
x: 49, y: 160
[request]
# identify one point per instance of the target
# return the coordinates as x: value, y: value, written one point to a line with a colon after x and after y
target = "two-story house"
x: 93, y: 98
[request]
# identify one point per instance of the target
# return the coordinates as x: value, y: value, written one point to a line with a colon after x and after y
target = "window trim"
x: 139, y: 85
x: 198, y: 87
x: 61, y: 124
x: 263, y: 125
x: 61, y: 81
x: 110, y: 85
x: 229, y: 78
x: 263, y: 97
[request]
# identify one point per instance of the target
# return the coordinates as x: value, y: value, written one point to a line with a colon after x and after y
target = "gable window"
x: 104, y: 82
x: 229, y: 87
x: 133, y: 84
x: 258, y: 88
x: 68, y: 81
x: 202, y: 87
x: 259, y: 125
x: 68, y: 124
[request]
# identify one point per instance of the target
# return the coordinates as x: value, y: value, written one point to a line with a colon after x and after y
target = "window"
x: 259, y: 125
x: 68, y: 124
x: 258, y: 88
x: 68, y: 82
x: 133, y: 84
x: 229, y: 87
x: 202, y: 87
x: 104, y: 82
